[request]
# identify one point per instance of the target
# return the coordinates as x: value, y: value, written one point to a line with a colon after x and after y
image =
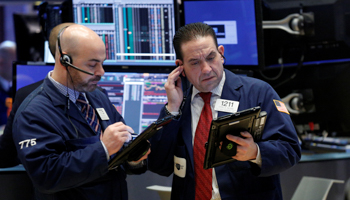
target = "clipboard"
x: 251, y: 120
x: 139, y: 145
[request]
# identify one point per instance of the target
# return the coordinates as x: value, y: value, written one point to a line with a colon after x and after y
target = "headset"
x: 65, y: 59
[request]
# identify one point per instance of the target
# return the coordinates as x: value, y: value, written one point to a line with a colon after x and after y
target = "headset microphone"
x: 86, y: 72
x: 65, y: 59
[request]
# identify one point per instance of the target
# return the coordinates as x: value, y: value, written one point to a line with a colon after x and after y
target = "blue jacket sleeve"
x: 279, y: 146
x: 40, y: 134
x: 163, y: 146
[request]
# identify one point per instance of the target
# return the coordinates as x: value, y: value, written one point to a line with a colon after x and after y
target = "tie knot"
x: 81, y: 99
x: 205, y: 96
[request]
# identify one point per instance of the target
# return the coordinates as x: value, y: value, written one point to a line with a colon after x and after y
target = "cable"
x: 277, y: 76
x: 68, y: 101
x: 300, y: 63
x: 280, y: 61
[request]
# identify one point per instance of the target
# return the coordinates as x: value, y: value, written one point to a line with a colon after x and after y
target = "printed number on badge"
x: 224, y: 105
x: 227, y: 103
x: 27, y: 143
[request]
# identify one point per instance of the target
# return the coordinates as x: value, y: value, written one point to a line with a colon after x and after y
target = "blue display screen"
x: 235, y: 24
x: 28, y: 74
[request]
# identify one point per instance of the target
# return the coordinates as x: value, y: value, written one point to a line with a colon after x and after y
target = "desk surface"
x: 307, y: 157
x: 17, y: 168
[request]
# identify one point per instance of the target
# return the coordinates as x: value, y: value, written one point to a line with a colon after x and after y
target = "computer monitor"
x: 29, y: 37
x: 135, y: 32
x: 137, y: 95
x: 26, y: 73
x: 326, y: 41
x: 238, y: 27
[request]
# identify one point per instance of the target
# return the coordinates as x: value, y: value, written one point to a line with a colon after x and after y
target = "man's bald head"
x: 75, y: 39
x: 86, y: 51
x: 53, y: 36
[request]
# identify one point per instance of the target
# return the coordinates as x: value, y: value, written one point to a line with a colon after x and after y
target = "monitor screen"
x: 26, y: 74
x: 238, y: 27
x: 135, y: 32
x: 29, y: 37
x: 137, y: 95
x: 326, y: 39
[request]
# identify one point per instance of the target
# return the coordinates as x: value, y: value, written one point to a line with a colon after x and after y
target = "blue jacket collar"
x: 59, y: 100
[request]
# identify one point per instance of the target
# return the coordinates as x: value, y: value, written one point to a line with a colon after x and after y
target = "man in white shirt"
x: 255, y: 174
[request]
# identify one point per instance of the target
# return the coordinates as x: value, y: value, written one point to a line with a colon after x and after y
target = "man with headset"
x: 8, y: 152
x: 64, y: 151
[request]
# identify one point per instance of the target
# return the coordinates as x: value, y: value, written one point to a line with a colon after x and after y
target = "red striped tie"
x: 203, y: 178
x: 89, y: 114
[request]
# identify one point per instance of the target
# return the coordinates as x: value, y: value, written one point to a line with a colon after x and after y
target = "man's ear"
x: 178, y: 62
x: 221, y: 50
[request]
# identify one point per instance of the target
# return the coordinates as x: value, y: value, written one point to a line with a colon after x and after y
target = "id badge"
x: 228, y: 106
x: 180, y: 166
x: 102, y: 113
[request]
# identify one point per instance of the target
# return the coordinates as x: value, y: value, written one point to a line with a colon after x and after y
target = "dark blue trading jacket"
x: 279, y: 147
x: 61, y: 153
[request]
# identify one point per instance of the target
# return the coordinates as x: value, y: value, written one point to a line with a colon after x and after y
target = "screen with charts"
x: 138, y: 96
x: 238, y: 27
x: 135, y: 32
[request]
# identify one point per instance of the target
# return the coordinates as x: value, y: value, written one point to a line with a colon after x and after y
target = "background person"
x: 7, y: 56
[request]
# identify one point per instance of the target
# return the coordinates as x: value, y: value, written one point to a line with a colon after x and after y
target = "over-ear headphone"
x: 65, y: 59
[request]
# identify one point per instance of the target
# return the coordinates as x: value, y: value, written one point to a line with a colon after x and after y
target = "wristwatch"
x: 169, y: 113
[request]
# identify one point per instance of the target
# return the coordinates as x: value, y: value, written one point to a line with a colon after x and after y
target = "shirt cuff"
x: 174, y: 113
x: 105, y: 148
x: 135, y: 165
x: 257, y: 160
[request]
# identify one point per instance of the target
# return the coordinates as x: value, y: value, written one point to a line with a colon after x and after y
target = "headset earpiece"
x: 66, y: 60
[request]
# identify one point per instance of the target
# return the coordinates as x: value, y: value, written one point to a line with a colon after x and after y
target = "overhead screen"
x: 238, y: 27
x: 135, y: 32
x: 327, y: 38
x: 137, y: 96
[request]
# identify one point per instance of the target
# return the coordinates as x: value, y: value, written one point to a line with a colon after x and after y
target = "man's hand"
x: 143, y: 157
x: 246, y: 147
x: 115, y: 136
x: 173, y: 88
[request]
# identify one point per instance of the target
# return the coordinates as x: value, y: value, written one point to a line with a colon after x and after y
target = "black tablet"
x: 251, y: 120
x: 139, y: 145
